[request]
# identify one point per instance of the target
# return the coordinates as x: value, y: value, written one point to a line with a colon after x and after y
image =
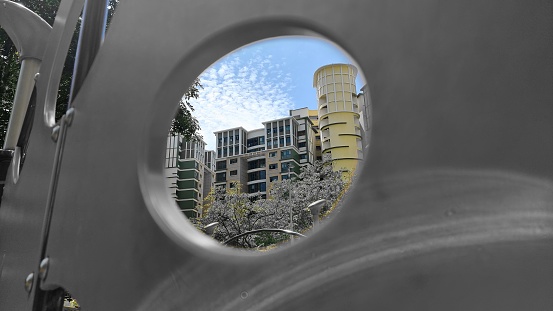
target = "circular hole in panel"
x: 267, y: 142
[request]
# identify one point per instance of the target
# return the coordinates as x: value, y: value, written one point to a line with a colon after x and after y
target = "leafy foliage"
x: 238, y: 212
x: 184, y: 122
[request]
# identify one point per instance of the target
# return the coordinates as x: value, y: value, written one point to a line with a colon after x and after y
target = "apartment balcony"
x: 257, y: 156
x: 326, y: 144
x: 255, y: 169
x: 303, y: 149
x: 302, y: 138
x: 256, y: 181
x: 302, y: 161
x: 323, y: 122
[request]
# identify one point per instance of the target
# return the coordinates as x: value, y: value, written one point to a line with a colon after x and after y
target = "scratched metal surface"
x: 453, y: 209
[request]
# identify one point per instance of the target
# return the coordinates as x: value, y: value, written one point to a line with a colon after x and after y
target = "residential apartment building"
x: 189, y: 171
x: 271, y: 153
x: 341, y: 129
x: 308, y: 134
x: 365, y: 115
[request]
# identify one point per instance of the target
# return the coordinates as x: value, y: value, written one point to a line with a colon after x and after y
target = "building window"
x: 233, y: 173
x: 272, y: 154
x: 220, y: 177
x: 273, y: 178
x: 256, y: 164
x: 221, y: 165
x: 259, y: 187
x: 286, y: 154
x: 273, y: 166
x: 232, y: 161
x: 257, y: 175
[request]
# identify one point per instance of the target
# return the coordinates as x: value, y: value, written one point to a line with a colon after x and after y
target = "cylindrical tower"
x: 339, y: 125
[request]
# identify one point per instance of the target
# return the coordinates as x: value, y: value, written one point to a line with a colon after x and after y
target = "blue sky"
x: 260, y: 82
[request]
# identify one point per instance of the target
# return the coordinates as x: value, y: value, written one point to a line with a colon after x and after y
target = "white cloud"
x: 238, y: 92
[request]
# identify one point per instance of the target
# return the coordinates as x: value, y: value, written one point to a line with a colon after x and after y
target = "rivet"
x: 55, y: 133
x: 37, y: 75
x: 43, y: 268
x: 69, y: 116
x: 29, y: 282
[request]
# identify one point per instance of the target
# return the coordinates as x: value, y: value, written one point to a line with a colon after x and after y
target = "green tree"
x: 184, y: 122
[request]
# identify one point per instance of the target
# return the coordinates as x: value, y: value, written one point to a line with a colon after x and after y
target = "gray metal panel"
x: 28, y: 31
x: 453, y: 209
x: 24, y: 202
x: 22, y: 215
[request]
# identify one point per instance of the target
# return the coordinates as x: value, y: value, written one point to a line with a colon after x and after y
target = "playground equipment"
x: 453, y: 210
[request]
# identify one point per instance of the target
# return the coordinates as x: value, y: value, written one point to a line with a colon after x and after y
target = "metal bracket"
x: 54, y: 56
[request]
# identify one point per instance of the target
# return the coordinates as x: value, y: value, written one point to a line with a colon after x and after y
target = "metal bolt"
x: 69, y: 116
x: 37, y: 75
x: 43, y: 268
x: 29, y: 282
x: 55, y: 133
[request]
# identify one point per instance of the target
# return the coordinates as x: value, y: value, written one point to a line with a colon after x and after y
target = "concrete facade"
x: 339, y: 118
x: 189, y: 173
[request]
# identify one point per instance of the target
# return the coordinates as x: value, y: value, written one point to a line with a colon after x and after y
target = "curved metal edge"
x: 54, y: 57
x: 28, y: 31
x: 15, y: 165
x: 430, y: 228
x: 290, y: 232
x: 23, y: 93
x: 150, y: 166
